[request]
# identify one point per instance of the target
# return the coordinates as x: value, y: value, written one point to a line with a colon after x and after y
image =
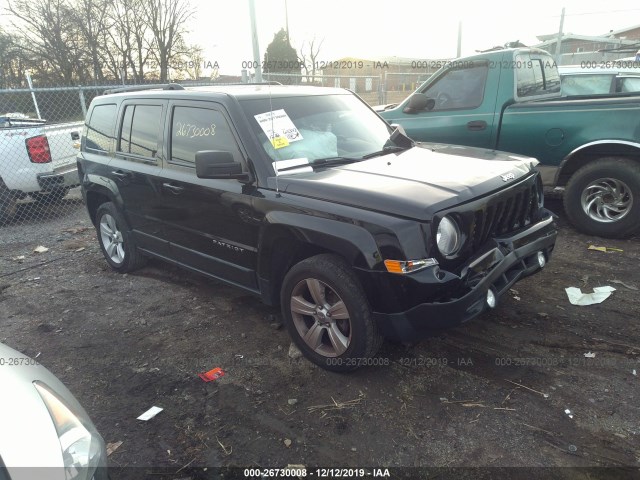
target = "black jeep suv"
x: 307, y: 198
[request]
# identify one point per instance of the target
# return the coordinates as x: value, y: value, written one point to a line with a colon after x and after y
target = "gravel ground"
x: 492, y: 393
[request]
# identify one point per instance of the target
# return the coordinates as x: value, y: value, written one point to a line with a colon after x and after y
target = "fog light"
x: 491, y: 299
x: 542, y: 261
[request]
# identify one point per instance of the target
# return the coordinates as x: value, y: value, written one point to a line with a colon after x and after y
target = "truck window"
x: 140, y: 130
x: 586, y: 84
x: 536, y: 76
x: 459, y: 88
x: 100, y: 127
x: 630, y: 84
x: 194, y: 129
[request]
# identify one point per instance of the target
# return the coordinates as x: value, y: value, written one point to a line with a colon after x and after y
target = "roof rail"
x: 270, y: 82
x: 136, y: 88
x: 224, y: 84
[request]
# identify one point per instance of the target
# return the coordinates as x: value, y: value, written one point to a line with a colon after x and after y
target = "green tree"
x: 281, y: 57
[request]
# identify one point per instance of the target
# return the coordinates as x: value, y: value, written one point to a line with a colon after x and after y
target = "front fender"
x: 353, y: 242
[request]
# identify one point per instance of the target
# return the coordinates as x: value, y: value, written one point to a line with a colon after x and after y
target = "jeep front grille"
x: 505, y: 214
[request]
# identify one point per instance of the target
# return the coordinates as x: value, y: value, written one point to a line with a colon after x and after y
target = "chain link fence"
x: 40, y: 130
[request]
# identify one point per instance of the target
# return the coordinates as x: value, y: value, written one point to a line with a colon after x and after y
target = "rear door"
x: 210, y: 223
x: 136, y: 169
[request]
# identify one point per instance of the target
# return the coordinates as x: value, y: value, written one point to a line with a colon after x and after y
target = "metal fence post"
x: 83, y: 103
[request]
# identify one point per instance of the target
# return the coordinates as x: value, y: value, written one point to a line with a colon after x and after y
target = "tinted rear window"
x: 100, y: 127
x: 140, y: 130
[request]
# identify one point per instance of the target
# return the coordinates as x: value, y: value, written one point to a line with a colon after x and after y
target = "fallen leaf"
x: 112, y: 447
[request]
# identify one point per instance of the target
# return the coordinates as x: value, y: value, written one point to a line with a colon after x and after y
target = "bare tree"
x: 193, y: 63
x: 167, y: 21
x: 50, y: 34
x: 308, y: 59
x: 130, y: 39
x: 13, y: 61
x: 91, y: 16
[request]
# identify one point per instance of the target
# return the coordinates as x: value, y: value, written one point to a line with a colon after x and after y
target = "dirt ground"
x: 494, y: 392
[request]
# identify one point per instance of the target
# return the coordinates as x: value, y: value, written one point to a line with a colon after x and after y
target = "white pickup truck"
x: 37, y: 159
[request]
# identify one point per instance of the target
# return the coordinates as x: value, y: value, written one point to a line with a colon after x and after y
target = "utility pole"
x: 254, y: 41
x: 459, y: 51
x: 559, y: 39
x: 286, y: 18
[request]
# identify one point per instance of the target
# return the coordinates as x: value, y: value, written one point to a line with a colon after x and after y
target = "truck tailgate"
x: 64, y: 143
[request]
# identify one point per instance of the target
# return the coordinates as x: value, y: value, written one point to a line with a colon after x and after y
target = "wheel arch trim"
x: 566, y: 161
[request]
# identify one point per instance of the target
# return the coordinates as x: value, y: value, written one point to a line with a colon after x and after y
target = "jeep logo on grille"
x: 508, y: 176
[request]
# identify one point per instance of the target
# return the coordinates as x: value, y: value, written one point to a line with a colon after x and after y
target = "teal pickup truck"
x: 511, y: 100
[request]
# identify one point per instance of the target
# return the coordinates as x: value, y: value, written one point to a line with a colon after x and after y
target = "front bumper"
x: 459, y: 298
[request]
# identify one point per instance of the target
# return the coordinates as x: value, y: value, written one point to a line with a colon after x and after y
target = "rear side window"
x: 100, y: 127
x: 536, y: 76
x: 140, y: 130
x: 586, y: 84
x: 630, y: 84
x: 194, y: 129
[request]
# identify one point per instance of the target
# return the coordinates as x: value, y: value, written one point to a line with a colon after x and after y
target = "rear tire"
x: 327, y: 314
x: 603, y: 198
x: 116, y: 240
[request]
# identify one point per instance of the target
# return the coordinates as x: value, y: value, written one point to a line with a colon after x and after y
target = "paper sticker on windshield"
x: 279, y: 142
x: 278, y: 127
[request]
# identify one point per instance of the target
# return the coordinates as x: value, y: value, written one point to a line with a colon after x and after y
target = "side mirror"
x: 399, y: 137
x: 419, y: 102
x: 217, y: 164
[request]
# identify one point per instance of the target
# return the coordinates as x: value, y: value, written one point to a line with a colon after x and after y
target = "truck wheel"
x: 327, y: 314
x: 603, y: 198
x: 8, y: 204
x: 116, y: 240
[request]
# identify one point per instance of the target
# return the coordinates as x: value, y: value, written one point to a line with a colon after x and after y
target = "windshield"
x: 316, y: 127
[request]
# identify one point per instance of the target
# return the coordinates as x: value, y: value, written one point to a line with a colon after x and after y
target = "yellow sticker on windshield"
x: 279, y: 142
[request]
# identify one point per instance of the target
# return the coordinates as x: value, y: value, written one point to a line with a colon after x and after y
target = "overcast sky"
x: 404, y: 28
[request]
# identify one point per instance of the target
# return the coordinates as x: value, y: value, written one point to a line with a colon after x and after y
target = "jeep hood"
x: 414, y: 183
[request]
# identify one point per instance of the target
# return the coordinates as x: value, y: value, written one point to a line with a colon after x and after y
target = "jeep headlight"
x: 448, y: 236
x: 79, y: 442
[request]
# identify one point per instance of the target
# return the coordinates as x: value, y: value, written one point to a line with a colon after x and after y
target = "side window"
x: 194, y: 129
x: 459, y: 88
x: 536, y: 76
x: 100, y: 127
x: 140, y: 130
x: 630, y: 84
x: 586, y: 84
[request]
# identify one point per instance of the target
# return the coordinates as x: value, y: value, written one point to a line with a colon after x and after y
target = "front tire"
x: 327, y: 314
x: 116, y: 240
x: 603, y: 198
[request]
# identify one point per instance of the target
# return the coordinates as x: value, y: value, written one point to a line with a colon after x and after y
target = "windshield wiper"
x: 333, y: 161
x: 384, y: 151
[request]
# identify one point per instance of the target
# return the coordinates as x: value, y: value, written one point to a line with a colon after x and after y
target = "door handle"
x: 477, y: 125
x: 120, y: 174
x: 173, y: 188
